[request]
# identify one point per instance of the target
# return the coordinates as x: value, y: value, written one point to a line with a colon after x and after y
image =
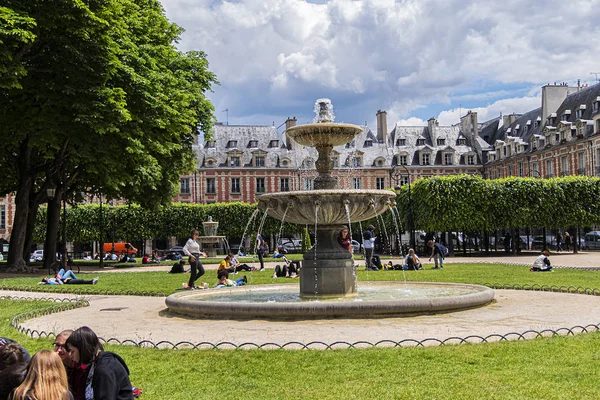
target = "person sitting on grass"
x: 412, y: 261
x: 178, y: 267
x: 276, y: 253
x: 542, y: 262
x: 289, y: 270
x: 237, y: 266
x: 224, y: 280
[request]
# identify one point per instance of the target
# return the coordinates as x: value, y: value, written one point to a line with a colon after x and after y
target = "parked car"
x: 356, y: 247
x: 174, y: 253
x: 592, y: 240
x: 289, y: 245
x: 37, y: 255
x: 538, y: 242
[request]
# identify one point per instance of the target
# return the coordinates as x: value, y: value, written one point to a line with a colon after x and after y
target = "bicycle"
x: 57, y: 266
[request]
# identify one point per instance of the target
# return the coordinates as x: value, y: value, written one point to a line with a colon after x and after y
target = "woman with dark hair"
x: 13, y: 368
x: 192, y: 250
x: 107, y: 374
x: 46, y: 379
x: 344, y: 239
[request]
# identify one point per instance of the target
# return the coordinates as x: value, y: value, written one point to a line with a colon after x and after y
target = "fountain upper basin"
x: 301, y: 205
x: 323, y: 133
x: 374, y: 299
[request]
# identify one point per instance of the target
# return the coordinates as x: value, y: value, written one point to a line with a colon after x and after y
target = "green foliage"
x: 306, y: 244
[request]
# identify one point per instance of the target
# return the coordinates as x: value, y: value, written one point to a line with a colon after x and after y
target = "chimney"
x: 468, y: 125
x: 288, y: 124
x: 432, y: 128
x: 552, y: 98
x: 381, y: 126
x: 505, y: 121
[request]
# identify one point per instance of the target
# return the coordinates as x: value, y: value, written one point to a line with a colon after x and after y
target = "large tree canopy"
x: 94, y: 97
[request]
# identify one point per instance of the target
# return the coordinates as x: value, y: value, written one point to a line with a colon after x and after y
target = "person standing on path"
x: 437, y: 254
x: 192, y: 250
x: 369, y: 244
x: 260, y: 250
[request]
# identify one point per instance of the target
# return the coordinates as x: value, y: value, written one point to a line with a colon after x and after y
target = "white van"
x: 592, y: 240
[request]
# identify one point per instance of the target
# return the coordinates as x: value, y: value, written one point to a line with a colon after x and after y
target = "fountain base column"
x: 331, y: 270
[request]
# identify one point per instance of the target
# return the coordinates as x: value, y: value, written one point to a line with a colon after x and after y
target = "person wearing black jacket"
x: 107, y: 374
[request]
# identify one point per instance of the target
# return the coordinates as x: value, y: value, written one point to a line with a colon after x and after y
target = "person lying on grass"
x: 224, y: 280
x: 58, y: 280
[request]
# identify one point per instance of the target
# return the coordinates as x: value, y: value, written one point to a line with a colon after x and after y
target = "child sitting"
x: 542, y: 263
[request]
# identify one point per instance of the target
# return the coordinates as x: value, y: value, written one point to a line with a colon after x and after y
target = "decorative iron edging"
x: 81, y: 292
x: 319, y: 345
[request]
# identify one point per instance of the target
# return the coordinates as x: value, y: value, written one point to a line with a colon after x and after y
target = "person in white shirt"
x: 192, y: 250
x: 542, y: 262
x: 369, y: 245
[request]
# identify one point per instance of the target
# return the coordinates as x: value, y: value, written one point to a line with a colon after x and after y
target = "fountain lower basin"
x: 373, y: 299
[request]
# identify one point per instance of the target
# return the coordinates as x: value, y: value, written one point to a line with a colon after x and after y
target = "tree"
x: 105, y: 104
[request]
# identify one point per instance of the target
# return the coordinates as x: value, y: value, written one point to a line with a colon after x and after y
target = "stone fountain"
x: 327, y: 269
x: 328, y: 274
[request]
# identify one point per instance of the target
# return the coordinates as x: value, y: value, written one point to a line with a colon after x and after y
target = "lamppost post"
x: 64, y: 227
x: 395, y: 175
x: 101, y: 235
x: 112, y: 213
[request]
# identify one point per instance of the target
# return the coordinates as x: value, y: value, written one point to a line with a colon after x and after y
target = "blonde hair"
x: 411, y: 253
x: 45, y: 379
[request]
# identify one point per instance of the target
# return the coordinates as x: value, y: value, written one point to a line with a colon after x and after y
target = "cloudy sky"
x: 415, y: 59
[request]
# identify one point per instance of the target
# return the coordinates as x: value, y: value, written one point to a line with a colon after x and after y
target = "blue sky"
x: 415, y: 59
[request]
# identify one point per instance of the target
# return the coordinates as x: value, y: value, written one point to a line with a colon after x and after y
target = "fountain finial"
x: 323, y: 111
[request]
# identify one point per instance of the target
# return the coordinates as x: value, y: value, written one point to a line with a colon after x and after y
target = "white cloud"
x: 385, y: 54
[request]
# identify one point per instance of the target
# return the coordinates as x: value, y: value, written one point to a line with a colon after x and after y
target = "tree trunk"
x: 16, y: 262
x: 34, y: 205
x: 53, y: 223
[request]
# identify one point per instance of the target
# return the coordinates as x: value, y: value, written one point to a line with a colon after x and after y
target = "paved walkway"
x: 146, y: 318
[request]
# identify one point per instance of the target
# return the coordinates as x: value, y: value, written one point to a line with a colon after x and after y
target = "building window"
x: 425, y: 159
x: 380, y: 183
x: 336, y: 162
x: 403, y: 180
x: 549, y: 169
x: 499, y: 173
x: 564, y: 166
x: 350, y: 145
x: 210, y: 163
x: 284, y: 184
x: 368, y: 143
x: 309, y: 184
x: 596, y: 103
x: 184, y: 186
x: 448, y: 159
x: 510, y: 171
x: 461, y: 141
x: 210, y: 145
x: 420, y: 142
x: 521, y: 172
x: 535, y: 170
x: 259, y: 161
x: 260, y: 185
x: 273, y: 143
x: 2, y: 216
x: 400, y: 142
x: 253, y: 144
x: 403, y: 160
x: 356, y: 162
x: 441, y: 142
x: 356, y: 183
x: 211, y: 186
x: 235, y: 185
x: 581, y: 164
x: 232, y: 144
x: 235, y: 161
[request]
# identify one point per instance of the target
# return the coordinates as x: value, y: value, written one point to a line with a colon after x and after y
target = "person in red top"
x: 344, y: 239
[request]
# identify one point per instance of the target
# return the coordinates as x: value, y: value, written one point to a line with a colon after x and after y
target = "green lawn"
x: 550, y: 368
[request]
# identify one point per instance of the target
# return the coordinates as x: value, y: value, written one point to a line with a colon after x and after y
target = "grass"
x: 549, y: 368
x: 161, y: 281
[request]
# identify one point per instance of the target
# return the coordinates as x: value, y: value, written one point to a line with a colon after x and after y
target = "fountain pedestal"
x: 331, y: 270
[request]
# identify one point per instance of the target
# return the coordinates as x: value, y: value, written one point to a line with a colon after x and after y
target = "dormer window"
x: 350, y: 145
x: 565, y: 115
x: 420, y: 142
x: 425, y: 159
x: 596, y: 105
x: 210, y: 145
x: 356, y: 162
x: 273, y: 144
x: 441, y: 142
x: 448, y: 158
x: 259, y: 161
x: 368, y: 143
x: 470, y: 159
x: 461, y: 141
x: 253, y: 144
x: 579, y: 112
x: 232, y: 144
x: 235, y: 162
x: 402, y: 159
x: 400, y: 142
x: 525, y: 128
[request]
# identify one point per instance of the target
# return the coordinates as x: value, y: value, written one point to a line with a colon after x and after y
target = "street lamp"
x: 112, y: 213
x: 101, y: 236
x: 395, y: 175
x: 64, y: 228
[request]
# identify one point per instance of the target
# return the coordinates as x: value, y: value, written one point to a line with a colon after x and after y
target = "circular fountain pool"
x: 373, y: 299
